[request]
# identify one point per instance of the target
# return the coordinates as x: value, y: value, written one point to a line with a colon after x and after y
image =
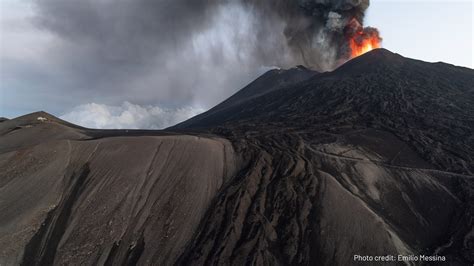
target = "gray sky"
x: 101, y: 71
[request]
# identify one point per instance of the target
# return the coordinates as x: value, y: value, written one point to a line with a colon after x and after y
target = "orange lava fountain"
x: 362, y: 43
x: 362, y: 39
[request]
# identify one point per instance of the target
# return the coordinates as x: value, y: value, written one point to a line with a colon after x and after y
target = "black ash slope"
x: 383, y: 139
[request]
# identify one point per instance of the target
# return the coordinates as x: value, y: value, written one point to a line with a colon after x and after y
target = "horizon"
x: 35, y: 78
x: 170, y: 125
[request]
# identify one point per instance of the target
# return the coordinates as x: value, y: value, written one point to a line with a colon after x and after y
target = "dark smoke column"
x: 321, y: 34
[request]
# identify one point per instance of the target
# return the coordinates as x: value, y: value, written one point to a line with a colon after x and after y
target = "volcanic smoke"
x: 321, y: 34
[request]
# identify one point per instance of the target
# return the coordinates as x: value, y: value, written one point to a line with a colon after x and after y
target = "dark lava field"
x: 297, y: 168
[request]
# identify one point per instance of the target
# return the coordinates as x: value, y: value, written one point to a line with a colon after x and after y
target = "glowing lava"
x: 362, y: 39
x: 363, y: 42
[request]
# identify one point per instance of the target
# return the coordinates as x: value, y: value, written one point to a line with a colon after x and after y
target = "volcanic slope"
x: 71, y: 196
x: 298, y: 168
x: 376, y: 157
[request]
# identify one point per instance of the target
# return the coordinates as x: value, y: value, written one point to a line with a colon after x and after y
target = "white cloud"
x: 128, y: 115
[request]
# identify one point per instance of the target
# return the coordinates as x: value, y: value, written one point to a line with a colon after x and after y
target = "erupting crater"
x: 362, y: 40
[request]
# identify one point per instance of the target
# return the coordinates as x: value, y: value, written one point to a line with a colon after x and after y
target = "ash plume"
x: 315, y: 32
x: 189, y: 52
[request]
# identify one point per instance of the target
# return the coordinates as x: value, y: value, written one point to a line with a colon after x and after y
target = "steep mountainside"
x: 297, y: 168
x: 376, y: 157
x: 271, y: 81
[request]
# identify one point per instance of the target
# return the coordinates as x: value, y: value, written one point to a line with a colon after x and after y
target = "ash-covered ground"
x: 297, y: 168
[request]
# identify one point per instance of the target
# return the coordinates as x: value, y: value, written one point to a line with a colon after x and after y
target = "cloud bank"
x: 60, y: 54
x: 128, y: 116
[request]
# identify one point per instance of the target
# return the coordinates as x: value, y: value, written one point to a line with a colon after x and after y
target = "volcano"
x: 298, y: 168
